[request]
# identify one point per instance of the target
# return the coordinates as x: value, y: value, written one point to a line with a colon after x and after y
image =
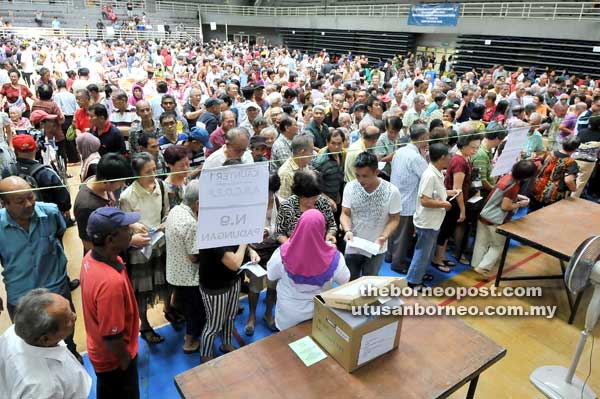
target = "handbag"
x: 492, y: 210
x: 71, y: 134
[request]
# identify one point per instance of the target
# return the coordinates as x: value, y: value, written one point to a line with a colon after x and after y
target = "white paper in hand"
x: 255, y: 269
x: 363, y: 244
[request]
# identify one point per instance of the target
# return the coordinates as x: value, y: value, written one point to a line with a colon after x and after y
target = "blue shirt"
x: 34, y: 258
x: 408, y: 166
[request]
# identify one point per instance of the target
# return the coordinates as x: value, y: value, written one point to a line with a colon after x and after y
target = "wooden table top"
x: 435, y: 357
x: 558, y: 228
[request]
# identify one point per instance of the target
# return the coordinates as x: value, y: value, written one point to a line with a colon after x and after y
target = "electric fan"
x: 557, y: 382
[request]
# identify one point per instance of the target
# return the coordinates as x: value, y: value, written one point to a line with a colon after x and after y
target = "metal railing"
x: 181, y: 33
x: 525, y: 10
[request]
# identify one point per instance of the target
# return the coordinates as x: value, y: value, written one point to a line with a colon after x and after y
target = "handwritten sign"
x: 233, y: 205
x: 512, y: 151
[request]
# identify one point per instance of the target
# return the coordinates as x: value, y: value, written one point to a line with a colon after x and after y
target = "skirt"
x: 148, y: 276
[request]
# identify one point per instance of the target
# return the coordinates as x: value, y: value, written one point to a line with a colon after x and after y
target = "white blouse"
x: 295, y: 301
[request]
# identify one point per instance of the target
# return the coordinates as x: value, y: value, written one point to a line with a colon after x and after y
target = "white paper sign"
x: 255, y: 269
x: 233, y: 205
x: 110, y: 31
x: 596, y: 49
x: 377, y: 342
x: 160, y: 28
x: 213, y: 26
x: 488, y: 42
x: 512, y: 151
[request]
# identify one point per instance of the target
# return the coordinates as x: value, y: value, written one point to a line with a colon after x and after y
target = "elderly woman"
x: 304, y: 266
x: 16, y: 94
x: 458, y: 177
x: 306, y: 194
x: 81, y: 120
x: 88, y: 146
x: 264, y: 249
x: 18, y: 122
x: 182, y: 264
x: 147, y: 196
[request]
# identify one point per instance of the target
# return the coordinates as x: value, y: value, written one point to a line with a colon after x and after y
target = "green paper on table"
x: 308, y: 351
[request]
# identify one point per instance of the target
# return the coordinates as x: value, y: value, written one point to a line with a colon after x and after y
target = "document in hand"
x: 254, y: 268
x: 365, y: 245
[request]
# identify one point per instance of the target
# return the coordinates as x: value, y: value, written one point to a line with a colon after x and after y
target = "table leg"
x: 575, y: 306
x: 472, y: 388
x: 502, y: 261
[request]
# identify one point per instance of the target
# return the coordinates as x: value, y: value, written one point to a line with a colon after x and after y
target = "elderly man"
x: 317, y: 128
x: 182, y: 264
x: 36, y: 361
x: 217, y: 137
x: 192, y: 110
x: 210, y: 118
x: 302, y: 149
x: 369, y: 136
x: 408, y: 166
x: 236, y: 146
x: 515, y: 100
x: 416, y: 113
x: 282, y: 147
x: 110, y: 310
x: 144, y: 124
x: 124, y: 114
x: 253, y: 112
x: 35, y: 257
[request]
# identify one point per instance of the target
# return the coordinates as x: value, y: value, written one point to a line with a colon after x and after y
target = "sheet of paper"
x: 454, y: 196
x: 381, y: 165
x: 512, y: 151
x: 363, y: 244
x: 255, y: 269
x: 475, y: 199
x: 307, y: 351
x: 156, y: 236
x: 377, y: 342
x: 147, y: 251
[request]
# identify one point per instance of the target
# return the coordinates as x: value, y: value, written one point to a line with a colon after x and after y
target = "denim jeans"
x: 424, y: 251
x: 360, y: 265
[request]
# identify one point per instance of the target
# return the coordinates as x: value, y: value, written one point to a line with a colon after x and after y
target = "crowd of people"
x: 399, y: 153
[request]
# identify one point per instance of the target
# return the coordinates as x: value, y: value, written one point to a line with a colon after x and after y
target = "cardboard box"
x: 353, y: 340
x: 349, y: 295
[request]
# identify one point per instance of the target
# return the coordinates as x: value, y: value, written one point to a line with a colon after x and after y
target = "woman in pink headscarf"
x: 305, y: 266
x: 137, y: 94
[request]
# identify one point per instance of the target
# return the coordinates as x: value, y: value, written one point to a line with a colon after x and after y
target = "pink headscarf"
x: 307, y: 257
x: 133, y: 99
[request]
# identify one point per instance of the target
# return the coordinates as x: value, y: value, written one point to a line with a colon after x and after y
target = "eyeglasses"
x: 169, y: 124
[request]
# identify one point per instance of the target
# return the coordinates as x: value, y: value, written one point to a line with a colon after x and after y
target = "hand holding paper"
x: 255, y: 269
x: 365, y: 245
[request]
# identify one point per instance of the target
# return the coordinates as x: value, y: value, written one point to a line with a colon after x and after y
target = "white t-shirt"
x: 217, y: 158
x: 432, y: 186
x: 370, y: 212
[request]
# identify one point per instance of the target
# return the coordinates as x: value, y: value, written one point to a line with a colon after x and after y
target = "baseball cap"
x: 211, y: 102
x: 386, y: 99
x: 24, y: 143
x: 258, y: 86
x: 257, y: 141
x: 200, y: 134
x: 105, y: 220
x: 253, y: 105
x: 38, y: 116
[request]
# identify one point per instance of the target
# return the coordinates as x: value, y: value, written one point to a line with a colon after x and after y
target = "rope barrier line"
x: 268, y: 162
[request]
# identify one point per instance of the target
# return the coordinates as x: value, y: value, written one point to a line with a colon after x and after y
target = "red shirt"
x: 109, y: 310
x: 459, y: 164
x: 82, y: 119
x: 12, y: 95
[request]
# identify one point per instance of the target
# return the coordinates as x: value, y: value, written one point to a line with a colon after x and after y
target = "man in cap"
x: 197, y: 141
x: 39, y: 175
x: 253, y: 111
x: 210, y: 118
x: 258, y: 147
x: 110, y: 309
x: 35, y: 257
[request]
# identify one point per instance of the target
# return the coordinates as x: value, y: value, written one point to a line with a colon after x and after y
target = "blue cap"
x: 200, y: 134
x: 106, y: 220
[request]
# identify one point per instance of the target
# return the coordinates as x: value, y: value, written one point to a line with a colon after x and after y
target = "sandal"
x: 441, y: 268
x: 223, y: 350
x: 428, y: 277
x: 151, y: 337
x: 249, y: 330
x: 174, y: 318
x: 448, y: 263
x: 271, y: 325
x: 464, y: 261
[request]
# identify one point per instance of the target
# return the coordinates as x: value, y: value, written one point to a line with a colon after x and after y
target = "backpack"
x: 27, y: 173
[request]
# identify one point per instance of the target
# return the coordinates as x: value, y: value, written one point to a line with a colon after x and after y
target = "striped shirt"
x: 408, y: 166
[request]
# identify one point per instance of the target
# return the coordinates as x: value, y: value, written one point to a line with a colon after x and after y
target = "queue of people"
x: 385, y: 153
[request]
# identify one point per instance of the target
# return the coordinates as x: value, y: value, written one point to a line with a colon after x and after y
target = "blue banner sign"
x: 433, y: 15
